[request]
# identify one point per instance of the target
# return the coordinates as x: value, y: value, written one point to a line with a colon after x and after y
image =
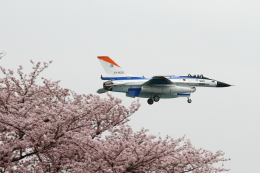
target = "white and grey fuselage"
x: 163, y: 86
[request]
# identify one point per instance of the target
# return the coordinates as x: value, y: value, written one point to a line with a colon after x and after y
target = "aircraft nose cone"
x: 222, y: 84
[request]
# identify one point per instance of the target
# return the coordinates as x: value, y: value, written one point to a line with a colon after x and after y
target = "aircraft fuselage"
x: 154, y: 88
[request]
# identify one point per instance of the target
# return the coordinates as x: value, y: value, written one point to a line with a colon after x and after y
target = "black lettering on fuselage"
x: 118, y: 72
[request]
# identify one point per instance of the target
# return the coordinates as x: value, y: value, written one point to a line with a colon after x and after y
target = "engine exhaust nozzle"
x: 108, y: 85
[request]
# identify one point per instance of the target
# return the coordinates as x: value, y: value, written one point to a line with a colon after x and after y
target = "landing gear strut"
x: 189, y: 100
x: 150, y: 101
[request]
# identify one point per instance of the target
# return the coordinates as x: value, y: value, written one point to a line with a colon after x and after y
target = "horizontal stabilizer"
x: 101, y: 90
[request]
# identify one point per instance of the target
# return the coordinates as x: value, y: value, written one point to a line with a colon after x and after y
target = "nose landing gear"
x: 189, y: 100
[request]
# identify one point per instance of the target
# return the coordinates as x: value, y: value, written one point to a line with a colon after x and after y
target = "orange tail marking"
x: 107, y: 59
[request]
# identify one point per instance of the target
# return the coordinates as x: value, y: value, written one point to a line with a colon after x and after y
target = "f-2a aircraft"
x: 155, y: 88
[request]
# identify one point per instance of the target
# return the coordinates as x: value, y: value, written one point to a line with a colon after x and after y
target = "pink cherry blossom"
x: 47, y: 128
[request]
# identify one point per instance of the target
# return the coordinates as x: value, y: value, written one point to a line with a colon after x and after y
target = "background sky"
x: 220, y: 39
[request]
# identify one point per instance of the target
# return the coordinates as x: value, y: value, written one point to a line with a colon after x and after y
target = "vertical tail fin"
x: 110, y: 66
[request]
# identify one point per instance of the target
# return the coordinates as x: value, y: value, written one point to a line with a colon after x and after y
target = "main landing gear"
x: 150, y: 101
x: 155, y: 98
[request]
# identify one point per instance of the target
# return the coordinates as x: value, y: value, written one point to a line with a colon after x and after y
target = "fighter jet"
x: 155, y: 88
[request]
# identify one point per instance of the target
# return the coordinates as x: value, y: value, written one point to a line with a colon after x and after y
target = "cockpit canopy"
x: 201, y: 76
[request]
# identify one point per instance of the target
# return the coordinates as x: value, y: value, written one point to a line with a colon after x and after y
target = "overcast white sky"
x: 220, y: 39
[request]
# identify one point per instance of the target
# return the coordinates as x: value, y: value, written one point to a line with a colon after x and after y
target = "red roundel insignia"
x: 184, y: 79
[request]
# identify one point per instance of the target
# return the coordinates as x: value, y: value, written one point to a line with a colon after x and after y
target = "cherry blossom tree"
x: 2, y: 54
x: 47, y: 128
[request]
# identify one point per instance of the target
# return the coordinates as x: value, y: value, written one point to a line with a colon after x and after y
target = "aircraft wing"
x: 158, y: 80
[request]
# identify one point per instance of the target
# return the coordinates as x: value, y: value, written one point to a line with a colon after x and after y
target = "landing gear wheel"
x: 189, y: 100
x: 156, y: 98
x: 150, y: 101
